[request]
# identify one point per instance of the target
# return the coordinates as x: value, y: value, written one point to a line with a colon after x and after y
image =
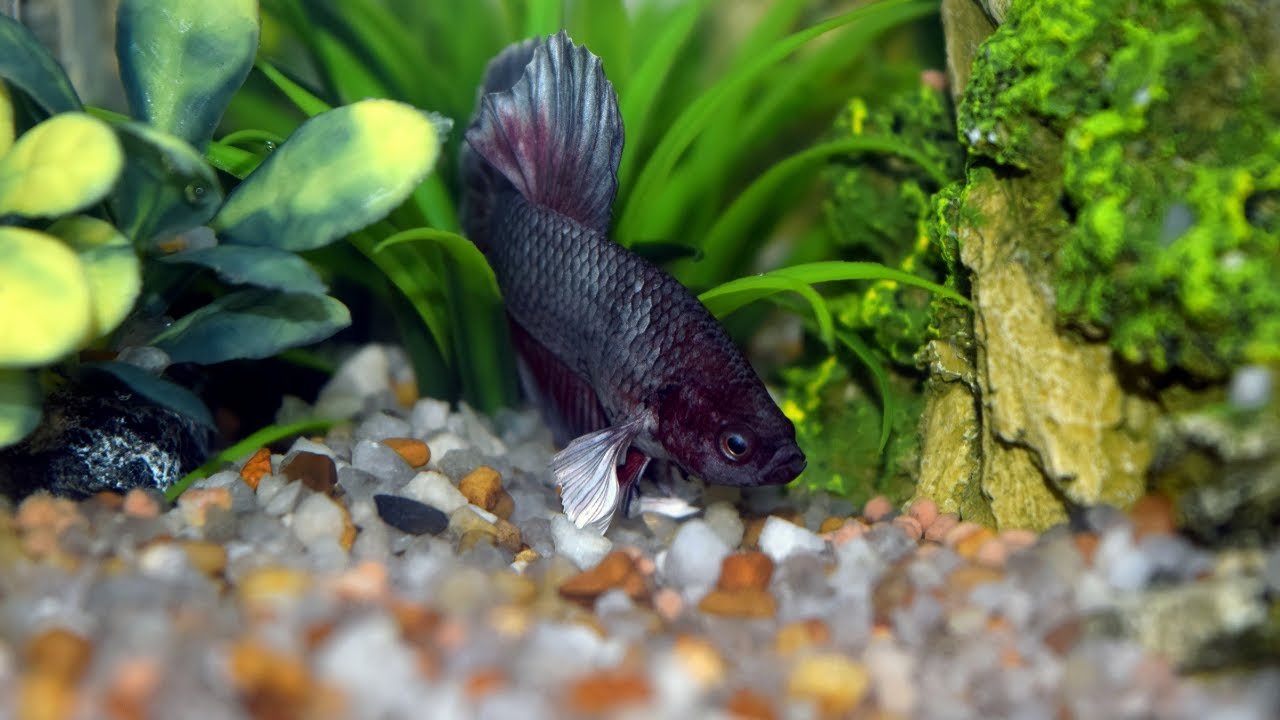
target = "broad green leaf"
x: 181, y: 60
x: 6, y: 120
x: 64, y: 164
x: 110, y: 265
x: 44, y: 299
x: 156, y: 389
x: 166, y: 188
x: 264, y: 267
x: 252, y: 324
x: 20, y: 401
x: 339, y: 172
x: 26, y: 64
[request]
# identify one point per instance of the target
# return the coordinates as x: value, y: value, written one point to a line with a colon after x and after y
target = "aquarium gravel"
x: 415, y: 564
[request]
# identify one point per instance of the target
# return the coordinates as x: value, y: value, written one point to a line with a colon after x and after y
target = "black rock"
x: 410, y: 516
x: 97, y: 435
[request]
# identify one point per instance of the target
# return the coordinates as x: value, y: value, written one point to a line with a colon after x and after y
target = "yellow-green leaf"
x: 337, y: 173
x: 64, y: 164
x: 6, y: 120
x: 20, y: 400
x: 115, y: 277
x: 181, y: 60
x: 44, y: 299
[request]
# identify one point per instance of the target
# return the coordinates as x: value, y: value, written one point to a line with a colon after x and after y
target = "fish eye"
x: 735, y: 444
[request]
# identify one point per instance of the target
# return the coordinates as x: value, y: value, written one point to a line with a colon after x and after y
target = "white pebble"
x: 726, y: 523
x: 317, y: 520
x: 1250, y: 387
x: 781, y: 539
x: 692, y: 564
x: 381, y: 461
x: 584, y: 548
x: 434, y: 489
x: 305, y: 445
x: 442, y: 444
x: 377, y: 671
x: 429, y: 416
x: 380, y: 426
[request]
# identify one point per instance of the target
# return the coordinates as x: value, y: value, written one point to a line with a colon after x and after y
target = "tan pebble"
x: 749, y: 705
x: 616, y: 570
x: 141, y: 504
x: 196, y: 504
x: 270, y: 684
x: 349, y: 529
x: 739, y: 603
x: 108, y: 499
x: 836, y: 683
x: 893, y: 590
x: 484, y: 681
x: 366, y: 582
x: 831, y: 524
x: 255, y: 467
x: 850, y: 530
x: 877, y: 508
x: 516, y: 588
x: 700, y: 660
x: 960, y: 532
x: 801, y: 635
x: 1152, y: 515
x: 910, y: 526
x: 59, y: 653
x: 967, y: 577
x: 745, y: 571
x: 46, y: 697
x: 465, y: 519
x: 1062, y: 638
x: 937, y: 530
x: 992, y: 553
x: 1086, y: 544
x: 511, y: 621
x: 272, y: 584
x: 42, y: 519
x: 608, y: 690
x: 509, y: 537
x: 414, y: 452
x: 406, y: 392
x: 209, y: 558
x: 481, y: 487
x: 1017, y: 539
x: 418, y: 624
x: 527, y: 555
x: 752, y: 527
x: 668, y: 603
x: 924, y: 510
x: 133, y: 685
x: 314, y: 470
x: 474, y: 537
x: 504, y: 506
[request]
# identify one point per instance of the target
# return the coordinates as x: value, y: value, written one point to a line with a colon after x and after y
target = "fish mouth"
x: 785, y: 466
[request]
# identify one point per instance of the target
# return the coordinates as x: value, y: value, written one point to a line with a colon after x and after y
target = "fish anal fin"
x: 586, y: 472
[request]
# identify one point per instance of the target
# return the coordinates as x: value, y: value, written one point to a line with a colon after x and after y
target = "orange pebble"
x: 255, y: 467
x: 938, y: 529
x: 960, y: 532
x: 925, y: 511
x: 414, y: 452
x: 909, y: 525
x: 140, y: 504
x: 967, y: 546
x: 877, y: 508
x: 992, y: 553
x: 607, y: 690
x: 745, y: 571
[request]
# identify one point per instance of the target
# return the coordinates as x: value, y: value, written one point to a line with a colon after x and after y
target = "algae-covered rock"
x: 1164, y: 121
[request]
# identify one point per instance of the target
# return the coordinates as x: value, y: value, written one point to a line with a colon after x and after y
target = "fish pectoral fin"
x: 586, y: 472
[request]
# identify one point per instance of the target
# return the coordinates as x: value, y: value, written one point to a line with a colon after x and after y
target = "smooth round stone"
x: 410, y: 516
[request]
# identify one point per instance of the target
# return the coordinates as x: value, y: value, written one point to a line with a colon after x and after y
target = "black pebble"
x: 410, y: 516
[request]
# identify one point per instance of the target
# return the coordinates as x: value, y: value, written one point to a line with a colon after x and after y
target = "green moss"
x: 880, y: 209
x: 1159, y: 118
x: 836, y: 426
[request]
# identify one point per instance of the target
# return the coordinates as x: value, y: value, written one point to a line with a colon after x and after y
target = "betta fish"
x: 626, y: 364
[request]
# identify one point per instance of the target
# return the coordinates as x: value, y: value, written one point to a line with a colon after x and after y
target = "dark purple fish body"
x: 622, y: 358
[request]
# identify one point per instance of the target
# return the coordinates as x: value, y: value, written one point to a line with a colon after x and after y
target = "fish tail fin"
x: 548, y: 125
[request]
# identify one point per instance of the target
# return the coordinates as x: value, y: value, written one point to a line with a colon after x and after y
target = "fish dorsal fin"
x: 556, y: 134
x: 587, y: 473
